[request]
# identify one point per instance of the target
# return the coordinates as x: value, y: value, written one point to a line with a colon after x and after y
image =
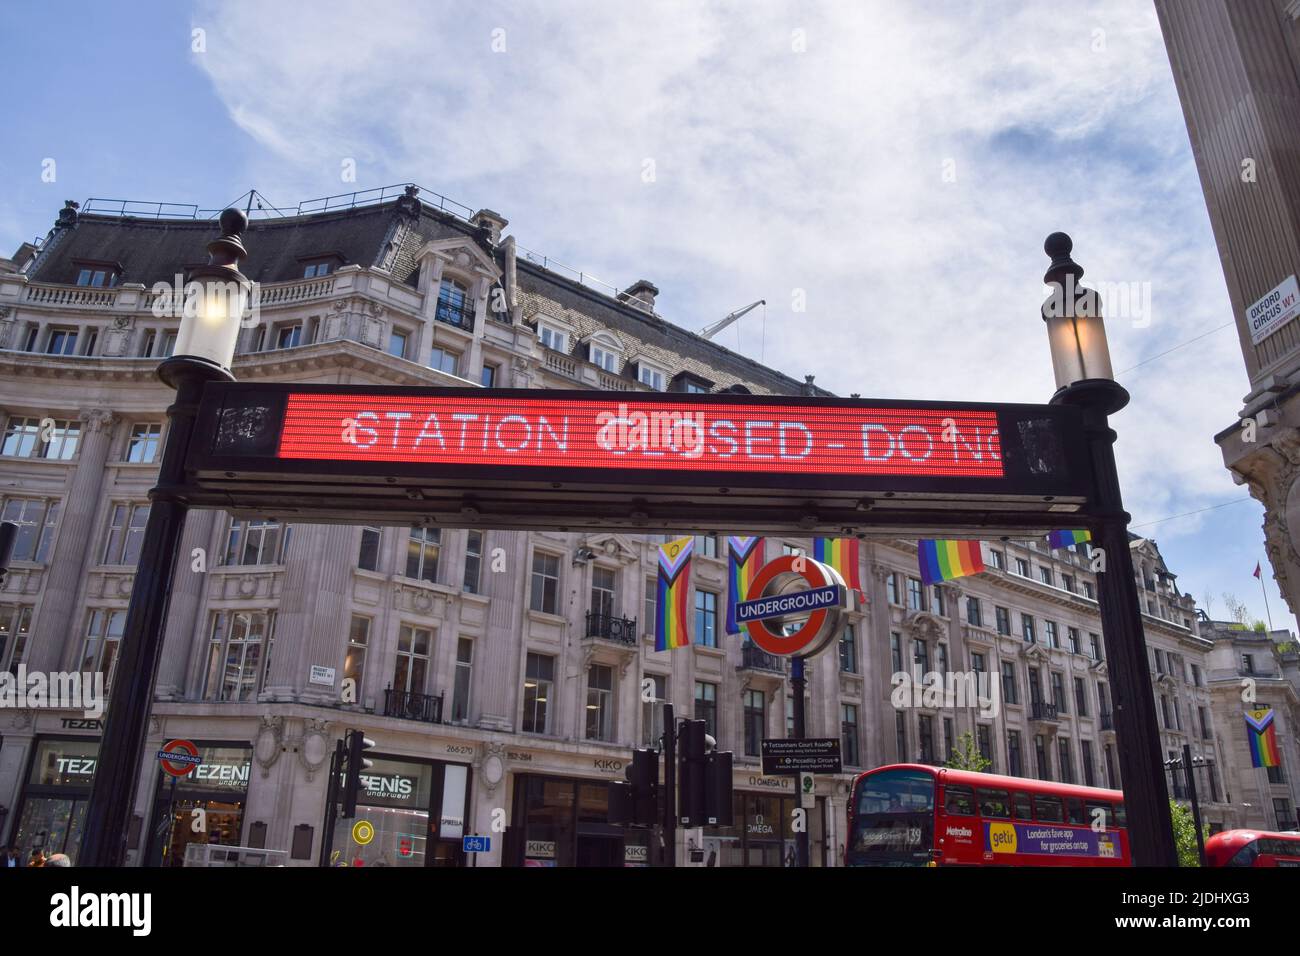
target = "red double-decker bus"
x: 1253, y: 848
x: 918, y: 815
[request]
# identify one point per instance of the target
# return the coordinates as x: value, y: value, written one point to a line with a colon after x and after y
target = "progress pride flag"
x: 602, y: 434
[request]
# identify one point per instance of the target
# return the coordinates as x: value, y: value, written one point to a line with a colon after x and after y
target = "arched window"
x: 454, y: 305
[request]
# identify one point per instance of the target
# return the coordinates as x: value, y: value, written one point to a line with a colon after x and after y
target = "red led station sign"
x: 635, y: 461
x: 600, y: 433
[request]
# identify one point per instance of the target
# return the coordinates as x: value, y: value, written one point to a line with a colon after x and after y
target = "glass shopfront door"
x: 52, y: 808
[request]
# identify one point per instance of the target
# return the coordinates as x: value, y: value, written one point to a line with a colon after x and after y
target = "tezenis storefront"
x: 52, y: 807
x: 204, y: 806
x: 417, y: 810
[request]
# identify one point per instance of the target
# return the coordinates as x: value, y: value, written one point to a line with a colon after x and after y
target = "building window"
x: 103, y: 637
x: 755, y: 721
x: 255, y: 541
x: 915, y: 595
x: 461, y: 682
x: 651, y: 599
x: 941, y: 657
x: 97, y: 277
x: 940, y: 606
x: 1010, y: 692
x: 443, y: 360
x: 354, y: 661
x: 900, y: 736
x: 1089, y: 591
x: 600, y: 702
x: 1094, y: 647
x: 652, y: 724
x: 1058, y: 692
x: 317, y: 269
x: 545, y: 590
x: 921, y: 656
x: 1080, y: 697
x: 973, y: 612
x: 24, y: 438
x: 1053, y: 641
x: 1022, y: 567
x: 948, y: 738
x: 539, y: 676
x: 1164, y: 712
x: 1067, y: 582
x: 1089, y: 774
x: 999, y: 560
x: 1196, y: 675
x: 1035, y: 687
x: 1027, y: 628
x: 1205, y: 722
x: 61, y: 342
x: 553, y: 338
x: 125, y: 533
x: 397, y: 343
x: 1072, y: 635
x: 239, y: 654
x: 36, y: 520
x: 473, y: 561
x: 649, y: 375
x: 1003, y: 617
x: 849, y: 734
x: 706, y: 546
x: 454, y: 305
x: 1045, y: 575
x: 848, y: 651
x: 288, y: 336
x: 423, y: 548
x: 412, y: 659
x: 1040, y: 755
x: 891, y: 587
x: 977, y: 662
x: 604, y: 358
x: 896, y: 651
x: 368, y: 553
x: 1066, y: 759
x: 925, y: 731
x: 602, y: 593
x: 143, y: 444
x: 15, y: 629
x: 1112, y: 780
x: 706, y: 706
x: 984, y: 740
x: 706, y: 618
x: 1014, y: 765
x: 488, y: 377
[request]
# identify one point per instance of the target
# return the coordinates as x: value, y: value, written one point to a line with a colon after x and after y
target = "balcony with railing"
x: 608, y: 627
x: 457, y: 314
x: 1107, y: 720
x: 1045, y: 712
x: 411, y: 706
x: 753, y: 659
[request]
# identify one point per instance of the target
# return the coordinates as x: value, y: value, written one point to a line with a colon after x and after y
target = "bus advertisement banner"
x: 1047, y: 840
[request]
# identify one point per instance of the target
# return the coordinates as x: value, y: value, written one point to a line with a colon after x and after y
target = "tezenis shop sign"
x: 507, y: 458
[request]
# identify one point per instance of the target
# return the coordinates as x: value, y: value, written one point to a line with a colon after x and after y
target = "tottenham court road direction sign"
x: 808, y: 755
x: 578, y: 460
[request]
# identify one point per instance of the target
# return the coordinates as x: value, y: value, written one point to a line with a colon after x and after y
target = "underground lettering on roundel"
x: 919, y: 443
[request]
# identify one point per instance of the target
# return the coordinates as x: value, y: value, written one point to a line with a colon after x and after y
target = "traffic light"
x: 355, y: 746
x: 636, y: 803
x: 717, y: 789
x: 690, y: 773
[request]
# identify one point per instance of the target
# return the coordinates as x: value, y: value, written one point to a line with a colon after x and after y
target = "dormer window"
x: 691, y: 384
x: 650, y: 375
x: 604, y: 358
x: 605, y: 351
x: 97, y: 275
x: 555, y: 339
x: 319, y: 266
x: 313, y: 270
x: 454, y: 305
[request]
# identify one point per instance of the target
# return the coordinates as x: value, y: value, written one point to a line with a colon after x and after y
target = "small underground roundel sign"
x: 793, y: 586
x: 179, y: 757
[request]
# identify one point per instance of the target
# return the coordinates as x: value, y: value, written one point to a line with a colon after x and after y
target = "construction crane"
x: 709, y: 331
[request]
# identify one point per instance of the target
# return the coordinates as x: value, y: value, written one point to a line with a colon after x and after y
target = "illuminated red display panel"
x: 601, y: 433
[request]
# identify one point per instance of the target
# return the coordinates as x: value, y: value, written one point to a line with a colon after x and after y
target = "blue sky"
x: 894, y: 166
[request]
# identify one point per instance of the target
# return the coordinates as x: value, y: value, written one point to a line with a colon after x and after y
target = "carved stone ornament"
x: 270, y: 737
x: 314, y: 752
x: 924, y: 626
x: 247, y: 585
x: 21, y: 720
x: 5, y: 311
x: 97, y: 419
x: 492, y: 768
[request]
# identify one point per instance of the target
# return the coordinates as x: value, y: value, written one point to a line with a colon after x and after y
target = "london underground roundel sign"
x: 179, y: 757
x: 794, y: 585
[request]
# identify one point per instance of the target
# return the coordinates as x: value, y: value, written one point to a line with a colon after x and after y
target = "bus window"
x: 1024, y: 810
x: 1102, y: 814
x: 893, y: 820
x: 960, y: 801
x: 1049, y: 809
x: 1246, y: 855
x: 1121, y: 818
x: 994, y: 803
x: 1074, y: 807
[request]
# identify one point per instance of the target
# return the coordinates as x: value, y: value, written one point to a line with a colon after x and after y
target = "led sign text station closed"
x: 600, y: 459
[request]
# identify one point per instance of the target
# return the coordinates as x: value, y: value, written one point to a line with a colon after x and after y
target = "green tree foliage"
x: 966, y: 755
x: 1185, y: 834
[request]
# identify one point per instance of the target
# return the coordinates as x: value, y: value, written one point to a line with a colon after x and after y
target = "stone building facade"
x: 504, y: 676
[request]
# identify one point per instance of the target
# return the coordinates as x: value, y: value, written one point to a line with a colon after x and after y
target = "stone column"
x: 187, y: 632
x: 308, y: 560
x: 57, y: 626
x: 498, y: 659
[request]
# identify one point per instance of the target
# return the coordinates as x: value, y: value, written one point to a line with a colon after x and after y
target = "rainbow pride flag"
x: 842, y: 555
x: 672, y: 612
x: 1067, y: 539
x: 744, y: 558
x: 1263, y: 738
x: 945, y: 560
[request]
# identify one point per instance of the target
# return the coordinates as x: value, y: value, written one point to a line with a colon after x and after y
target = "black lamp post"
x: 214, y: 302
x: 1081, y: 362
